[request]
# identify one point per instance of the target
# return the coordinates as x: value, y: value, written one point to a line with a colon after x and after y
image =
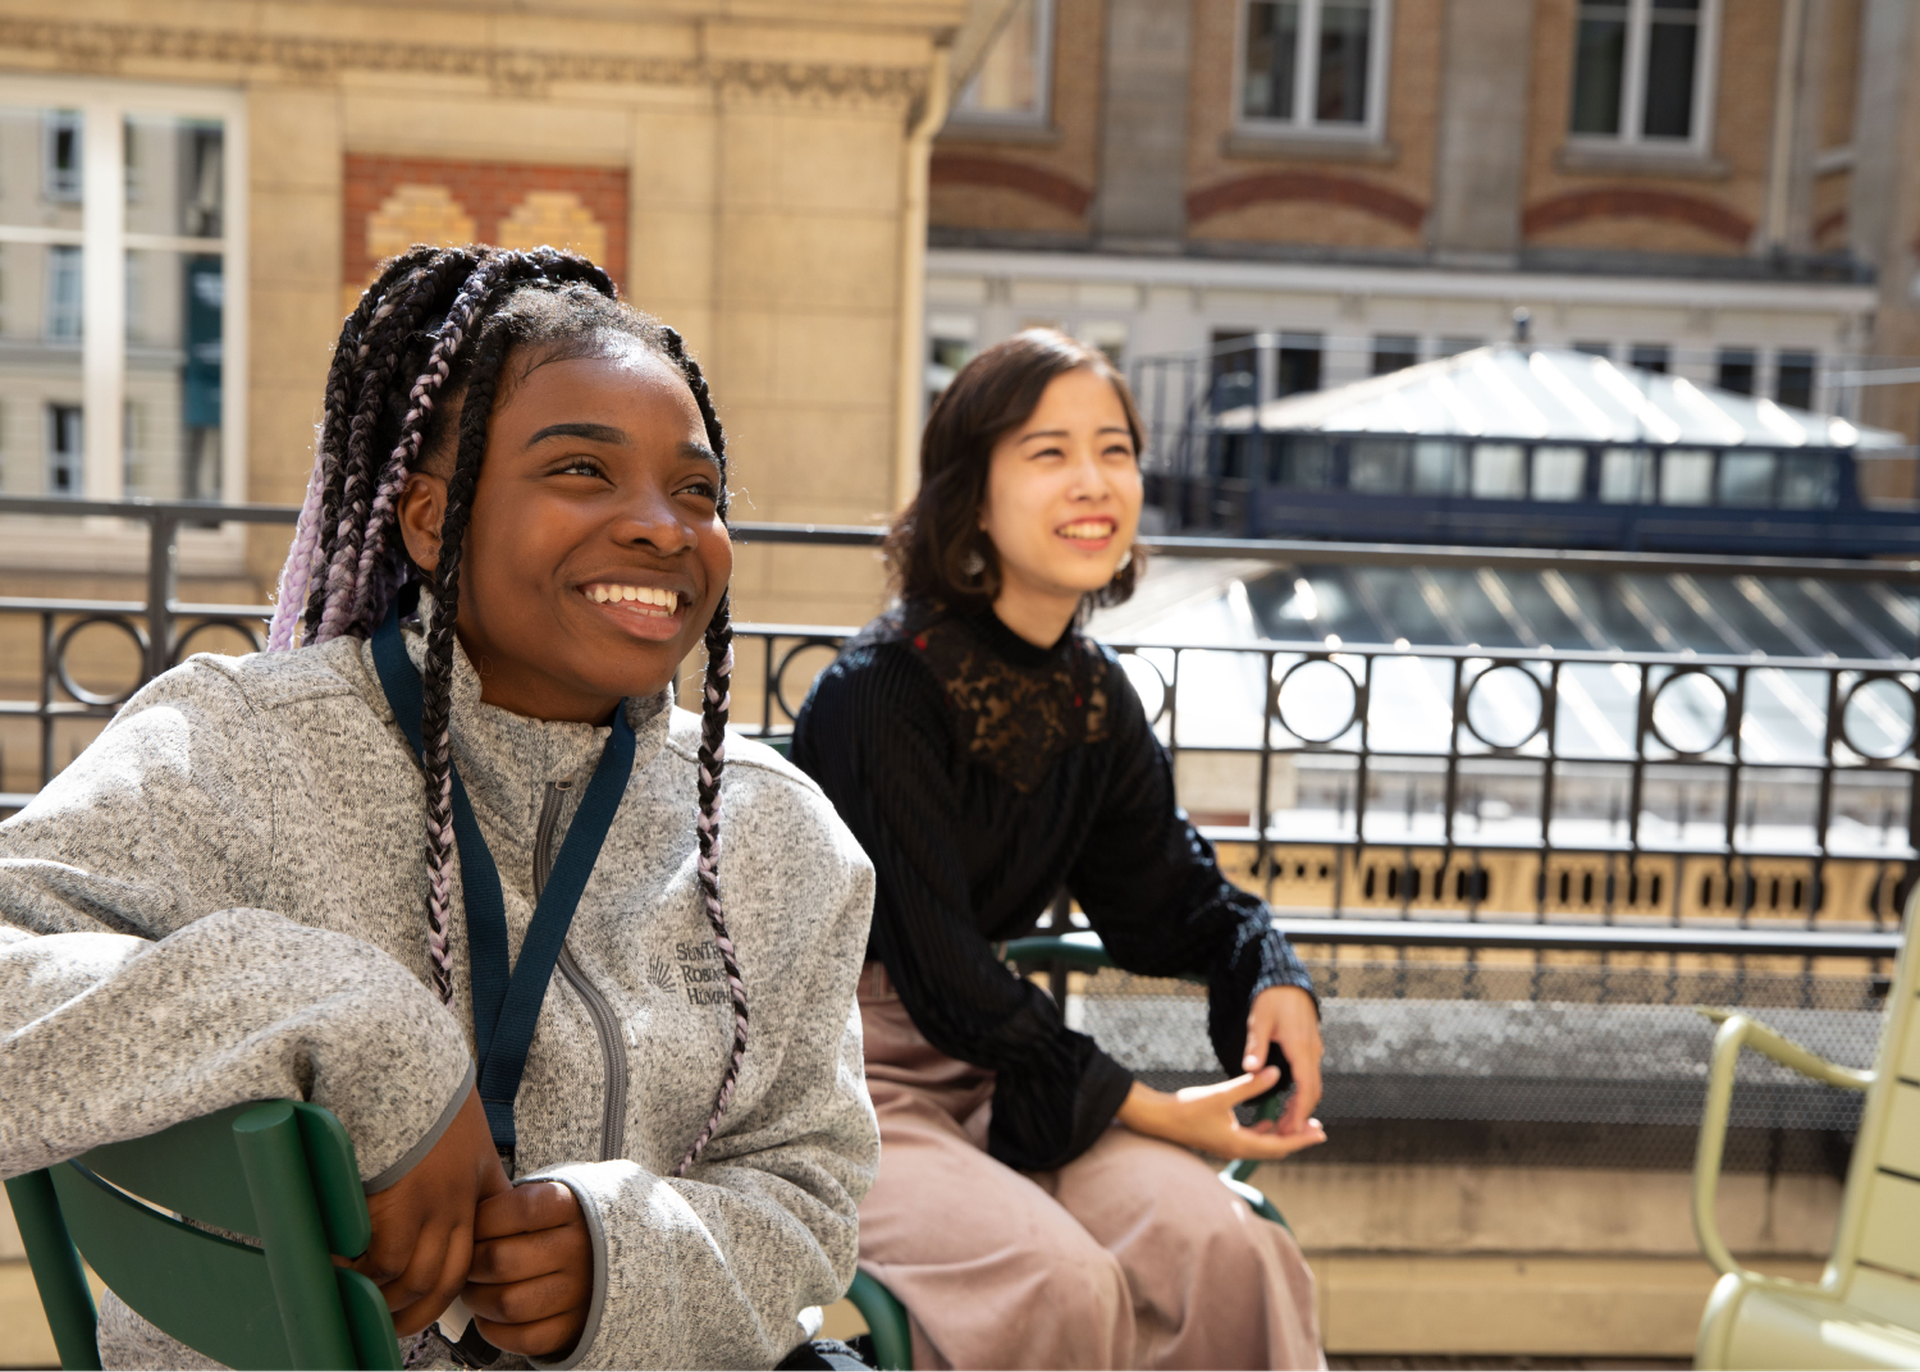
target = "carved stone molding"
x: 104, y: 48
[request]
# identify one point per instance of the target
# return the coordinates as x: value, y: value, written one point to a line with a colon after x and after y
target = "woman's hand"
x: 1285, y: 1015
x: 1202, y: 1117
x: 532, y: 1277
x: 423, y: 1225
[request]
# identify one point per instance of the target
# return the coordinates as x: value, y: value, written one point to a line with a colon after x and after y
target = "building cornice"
x: 100, y: 48
x: 1533, y: 287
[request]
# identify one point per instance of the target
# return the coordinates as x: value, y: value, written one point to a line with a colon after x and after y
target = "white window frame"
x: 1371, y: 129
x: 1633, y: 85
x: 962, y: 119
x: 105, y: 105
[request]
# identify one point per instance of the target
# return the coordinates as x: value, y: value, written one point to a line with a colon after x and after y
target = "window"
x: 1453, y: 347
x: 1592, y: 349
x: 1439, y: 467
x: 1499, y: 471
x: 1746, y: 478
x: 1686, y: 477
x: 1392, y: 351
x: 1641, y: 69
x: 1298, y: 364
x: 1737, y: 370
x: 60, y: 156
x: 1650, y: 357
x: 1303, y: 462
x: 1626, y: 476
x: 950, y: 346
x: 1110, y: 337
x: 1378, y: 466
x: 118, y: 235
x: 63, y: 292
x: 1010, y: 86
x: 1313, y: 65
x: 1559, y: 473
x: 1806, y: 481
x: 1236, y: 370
x: 1793, y: 380
x: 64, y: 449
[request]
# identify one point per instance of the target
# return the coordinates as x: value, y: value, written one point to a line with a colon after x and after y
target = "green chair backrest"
x: 1876, y: 1252
x: 283, y: 1171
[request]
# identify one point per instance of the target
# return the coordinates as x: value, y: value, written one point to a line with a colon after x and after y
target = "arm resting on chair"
x: 1737, y: 1032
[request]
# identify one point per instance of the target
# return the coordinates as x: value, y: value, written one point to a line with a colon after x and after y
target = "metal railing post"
x: 163, y: 537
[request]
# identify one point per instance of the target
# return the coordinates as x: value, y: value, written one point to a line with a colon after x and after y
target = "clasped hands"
x: 520, y: 1256
x: 1202, y: 1116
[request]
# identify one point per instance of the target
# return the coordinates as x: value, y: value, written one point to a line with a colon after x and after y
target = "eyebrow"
x: 593, y: 433
x: 1062, y: 433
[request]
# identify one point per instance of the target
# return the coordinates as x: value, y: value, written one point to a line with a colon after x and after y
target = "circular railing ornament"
x: 786, y: 660
x: 1498, y: 728
x: 65, y: 677
x: 1883, y: 703
x: 1313, y: 694
x: 1143, y: 673
x: 1686, y: 736
x: 248, y: 629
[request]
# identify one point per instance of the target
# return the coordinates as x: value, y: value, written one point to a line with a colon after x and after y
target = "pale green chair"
x: 283, y: 1170
x: 1865, y: 1310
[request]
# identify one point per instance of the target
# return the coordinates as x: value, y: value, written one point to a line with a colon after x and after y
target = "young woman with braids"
x: 446, y: 860
x: 1037, y: 1206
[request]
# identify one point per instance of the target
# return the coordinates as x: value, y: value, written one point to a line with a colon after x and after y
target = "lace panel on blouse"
x: 1016, y: 719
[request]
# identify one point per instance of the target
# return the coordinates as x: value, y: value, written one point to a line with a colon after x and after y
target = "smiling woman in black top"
x: 1034, y: 1207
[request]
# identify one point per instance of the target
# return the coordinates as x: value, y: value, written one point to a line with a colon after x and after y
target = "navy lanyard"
x: 506, y: 1005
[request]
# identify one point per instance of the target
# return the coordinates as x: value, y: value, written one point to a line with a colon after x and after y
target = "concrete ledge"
x: 1517, y: 1305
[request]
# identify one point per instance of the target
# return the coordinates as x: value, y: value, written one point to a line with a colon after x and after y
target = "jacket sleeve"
x: 720, y: 1268
x: 1153, y: 890
x: 141, y: 985
x: 876, y: 736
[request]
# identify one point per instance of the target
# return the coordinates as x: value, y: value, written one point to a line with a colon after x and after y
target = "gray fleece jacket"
x: 223, y: 899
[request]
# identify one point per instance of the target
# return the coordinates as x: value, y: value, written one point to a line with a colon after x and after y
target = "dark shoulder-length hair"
x: 936, y: 549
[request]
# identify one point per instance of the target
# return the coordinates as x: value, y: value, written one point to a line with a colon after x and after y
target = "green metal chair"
x: 282, y: 1170
x: 1865, y: 1309
x: 886, y: 1317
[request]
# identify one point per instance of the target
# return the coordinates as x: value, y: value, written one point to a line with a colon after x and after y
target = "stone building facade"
x: 1722, y: 188
x: 747, y: 173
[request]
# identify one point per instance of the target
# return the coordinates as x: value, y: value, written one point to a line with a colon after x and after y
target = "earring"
x: 1126, y: 561
x: 972, y: 565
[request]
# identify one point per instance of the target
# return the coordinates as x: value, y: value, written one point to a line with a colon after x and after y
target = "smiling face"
x: 595, y: 555
x: 1062, y: 503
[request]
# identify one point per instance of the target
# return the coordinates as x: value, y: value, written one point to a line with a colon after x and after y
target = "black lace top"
x: 982, y: 773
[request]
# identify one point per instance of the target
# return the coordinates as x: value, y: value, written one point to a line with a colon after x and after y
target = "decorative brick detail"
x: 1323, y: 187
x: 392, y: 202
x: 959, y: 169
x: 1634, y: 202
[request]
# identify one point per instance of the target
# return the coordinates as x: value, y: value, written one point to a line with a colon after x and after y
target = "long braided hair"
x: 437, y: 324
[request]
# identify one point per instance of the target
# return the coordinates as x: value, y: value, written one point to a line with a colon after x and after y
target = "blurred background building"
x: 1723, y: 190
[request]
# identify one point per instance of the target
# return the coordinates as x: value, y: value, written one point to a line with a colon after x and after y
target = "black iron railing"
x: 1502, y: 826
x: 1505, y: 923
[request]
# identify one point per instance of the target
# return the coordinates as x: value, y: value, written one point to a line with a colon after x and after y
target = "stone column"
x: 1480, y: 172
x: 1141, y: 203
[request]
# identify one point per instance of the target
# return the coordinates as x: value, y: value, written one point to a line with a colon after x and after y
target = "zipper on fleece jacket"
x: 613, y: 1117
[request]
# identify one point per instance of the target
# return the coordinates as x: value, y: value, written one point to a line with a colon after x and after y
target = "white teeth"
x: 1094, y: 530
x: 602, y: 594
